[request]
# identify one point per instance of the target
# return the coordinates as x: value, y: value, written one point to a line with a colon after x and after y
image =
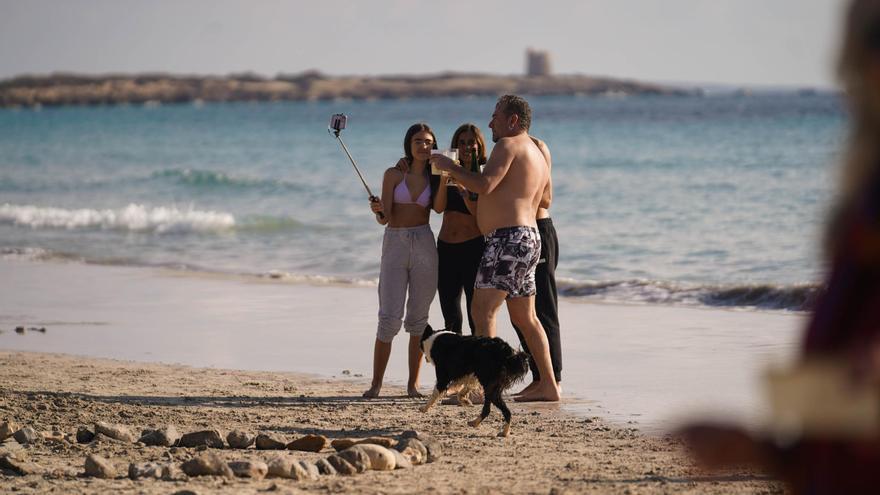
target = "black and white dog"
x: 460, y: 359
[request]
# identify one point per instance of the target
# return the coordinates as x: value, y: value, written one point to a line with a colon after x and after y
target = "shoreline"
x: 549, y: 450
x: 760, y: 297
x: 642, y: 366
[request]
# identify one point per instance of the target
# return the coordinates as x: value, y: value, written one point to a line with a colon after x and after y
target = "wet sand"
x: 636, y: 365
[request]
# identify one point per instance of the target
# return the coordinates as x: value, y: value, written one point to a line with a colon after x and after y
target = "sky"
x: 734, y: 42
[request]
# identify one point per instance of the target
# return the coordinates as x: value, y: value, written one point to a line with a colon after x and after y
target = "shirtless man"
x: 510, y: 187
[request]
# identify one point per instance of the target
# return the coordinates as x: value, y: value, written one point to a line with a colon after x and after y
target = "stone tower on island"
x: 537, y: 63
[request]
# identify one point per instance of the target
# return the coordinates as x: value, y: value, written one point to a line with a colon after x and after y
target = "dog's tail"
x: 515, y: 368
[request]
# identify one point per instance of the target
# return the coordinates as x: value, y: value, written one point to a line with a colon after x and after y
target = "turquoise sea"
x: 716, y: 200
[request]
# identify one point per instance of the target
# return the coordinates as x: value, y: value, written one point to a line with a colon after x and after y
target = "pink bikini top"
x: 403, y: 196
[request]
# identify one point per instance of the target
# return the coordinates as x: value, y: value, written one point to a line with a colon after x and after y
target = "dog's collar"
x: 429, y: 343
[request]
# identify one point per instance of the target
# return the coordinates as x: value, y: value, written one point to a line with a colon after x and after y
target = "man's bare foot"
x: 529, y: 388
x: 548, y: 393
x: 413, y: 392
x: 373, y: 392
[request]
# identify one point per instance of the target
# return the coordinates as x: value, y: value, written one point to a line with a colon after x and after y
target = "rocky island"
x: 60, y: 89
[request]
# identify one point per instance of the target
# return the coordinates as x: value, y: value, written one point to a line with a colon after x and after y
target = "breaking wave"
x: 794, y: 297
x: 133, y: 218
x: 207, y: 179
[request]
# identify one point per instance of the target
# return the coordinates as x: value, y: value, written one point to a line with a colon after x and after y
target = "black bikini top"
x: 454, y: 201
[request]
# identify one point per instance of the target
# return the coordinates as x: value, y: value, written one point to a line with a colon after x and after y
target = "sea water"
x: 717, y: 201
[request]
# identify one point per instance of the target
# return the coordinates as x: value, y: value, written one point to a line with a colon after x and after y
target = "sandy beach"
x: 145, y: 347
x: 549, y: 452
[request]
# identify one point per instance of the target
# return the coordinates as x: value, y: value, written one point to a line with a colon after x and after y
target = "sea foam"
x: 134, y: 217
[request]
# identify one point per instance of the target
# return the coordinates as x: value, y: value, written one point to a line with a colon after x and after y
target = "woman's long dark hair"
x: 481, y: 141
x: 407, y: 151
x: 412, y: 131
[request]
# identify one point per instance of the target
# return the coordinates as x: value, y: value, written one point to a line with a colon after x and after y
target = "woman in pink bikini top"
x: 408, y: 272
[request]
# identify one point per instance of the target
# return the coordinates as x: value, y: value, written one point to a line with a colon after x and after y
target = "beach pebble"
x: 18, y: 464
x: 411, y: 434
x: 98, y: 467
x: 356, y: 457
x: 207, y: 438
x: 102, y: 438
x: 341, y: 444
x: 308, y: 443
x: 144, y: 470
x: 27, y: 435
x: 269, y: 442
x: 239, y: 439
x: 325, y: 467
x: 400, y: 461
x: 207, y: 465
x: 416, y: 445
x: 341, y: 465
x: 54, y: 437
x: 166, y: 436
x: 249, y: 469
x: 114, y: 431
x: 84, y: 435
x: 311, y: 470
x: 414, y: 455
x: 286, y: 467
x: 10, y: 446
x: 381, y: 459
x: 383, y: 441
x: 170, y: 472
x: 7, y: 429
x: 433, y: 448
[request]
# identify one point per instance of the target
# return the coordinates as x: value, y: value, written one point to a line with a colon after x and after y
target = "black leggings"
x: 545, y: 298
x: 458, y: 270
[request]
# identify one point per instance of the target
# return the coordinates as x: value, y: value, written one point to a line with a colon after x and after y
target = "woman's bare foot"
x: 373, y: 392
x: 529, y: 388
x: 542, y: 393
x: 413, y: 392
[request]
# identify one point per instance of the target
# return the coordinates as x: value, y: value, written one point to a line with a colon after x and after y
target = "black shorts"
x: 509, y: 261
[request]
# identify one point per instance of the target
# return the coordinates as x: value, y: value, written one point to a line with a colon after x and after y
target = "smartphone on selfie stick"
x: 337, y: 124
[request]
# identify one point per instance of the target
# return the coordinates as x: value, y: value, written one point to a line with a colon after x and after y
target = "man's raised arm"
x: 493, y: 173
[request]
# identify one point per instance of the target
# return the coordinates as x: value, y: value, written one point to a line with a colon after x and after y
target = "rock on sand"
x: 249, y: 469
x: 208, y: 438
x: 207, y: 465
x: 98, y: 467
x: 114, y: 431
x: 309, y: 443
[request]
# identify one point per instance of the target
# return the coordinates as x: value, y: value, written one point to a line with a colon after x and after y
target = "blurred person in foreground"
x: 845, y: 323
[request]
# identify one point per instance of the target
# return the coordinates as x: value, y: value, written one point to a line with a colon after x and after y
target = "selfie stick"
x: 356, y: 169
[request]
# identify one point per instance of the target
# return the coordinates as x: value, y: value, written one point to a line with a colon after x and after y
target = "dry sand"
x: 549, y: 452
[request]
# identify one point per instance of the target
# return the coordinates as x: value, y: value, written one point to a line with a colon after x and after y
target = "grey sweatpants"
x: 409, y: 261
